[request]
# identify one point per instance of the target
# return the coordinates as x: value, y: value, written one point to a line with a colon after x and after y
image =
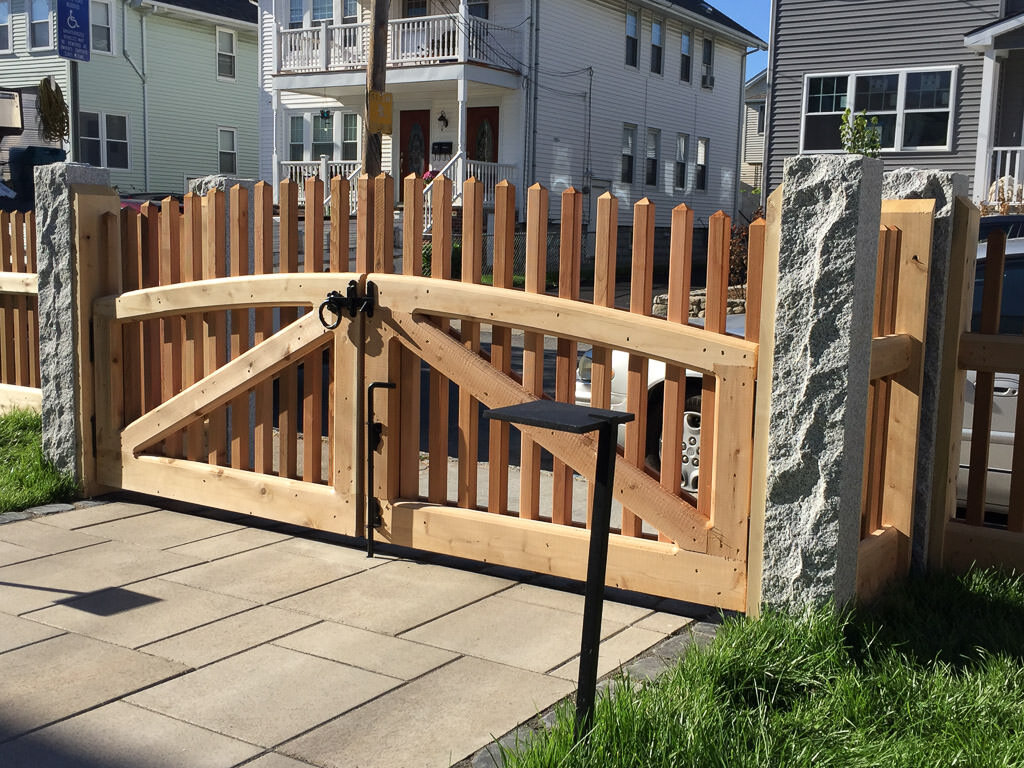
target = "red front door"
x: 414, y: 150
x: 482, y: 134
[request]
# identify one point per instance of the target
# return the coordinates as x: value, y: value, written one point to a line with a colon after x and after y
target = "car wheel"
x: 655, y: 408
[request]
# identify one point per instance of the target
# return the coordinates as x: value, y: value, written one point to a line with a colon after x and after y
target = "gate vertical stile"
x: 533, y: 345
x: 469, y: 413
x: 440, y: 269
x: 501, y: 343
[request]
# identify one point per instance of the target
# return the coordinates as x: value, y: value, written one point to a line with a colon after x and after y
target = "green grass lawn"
x: 933, y: 675
x: 26, y: 478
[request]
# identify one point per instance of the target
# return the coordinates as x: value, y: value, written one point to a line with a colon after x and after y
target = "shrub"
x: 860, y: 136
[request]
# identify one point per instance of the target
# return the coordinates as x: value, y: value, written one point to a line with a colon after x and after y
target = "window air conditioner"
x: 707, y: 81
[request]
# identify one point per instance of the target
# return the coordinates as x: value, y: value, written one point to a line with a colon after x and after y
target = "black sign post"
x: 565, y: 417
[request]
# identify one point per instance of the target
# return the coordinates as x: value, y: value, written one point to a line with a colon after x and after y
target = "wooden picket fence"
x: 216, y: 381
x: 19, y: 328
x: 990, y: 531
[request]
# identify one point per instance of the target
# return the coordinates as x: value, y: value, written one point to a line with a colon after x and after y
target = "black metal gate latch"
x: 350, y: 302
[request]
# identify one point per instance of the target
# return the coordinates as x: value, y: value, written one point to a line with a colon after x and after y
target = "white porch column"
x: 464, y: 57
x: 277, y: 133
x: 986, y: 125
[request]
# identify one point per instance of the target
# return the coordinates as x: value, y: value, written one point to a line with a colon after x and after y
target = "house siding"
x: 25, y: 69
x: 832, y: 36
x: 183, y: 122
x: 625, y: 94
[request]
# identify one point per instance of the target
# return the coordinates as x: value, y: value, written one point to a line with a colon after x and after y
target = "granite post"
x: 59, y: 332
x: 828, y: 252
x: 944, y: 188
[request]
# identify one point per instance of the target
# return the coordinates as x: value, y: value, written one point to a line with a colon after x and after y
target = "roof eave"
x: 223, y: 21
x: 750, y: 41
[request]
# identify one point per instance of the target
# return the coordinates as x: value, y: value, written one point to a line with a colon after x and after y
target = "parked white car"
x: 1004, y: 407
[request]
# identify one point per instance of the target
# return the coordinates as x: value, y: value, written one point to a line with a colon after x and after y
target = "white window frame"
x: 659, y: 22
x: 7, y: 23
x: 340, y: 127
x: 652, y: 138
x: 104, y: 157
x: 898, y: 146
x: 110, y: 27
x: 687, y: 37
x: 634, y: 130
x: 233, y: 54
x: 705, y: 143
x: 221, y: 130
x: 683, y: 142
x: 30, y: 21
x: 305, y: 135
x: 631, y: 10
x: 707, y: 68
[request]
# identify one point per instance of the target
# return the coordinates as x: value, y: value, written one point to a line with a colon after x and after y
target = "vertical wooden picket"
x: 409, y: 385
x: 570, y: 248
x: 469, y: 418
x: 192, y: 352
x: 288, y: 384
x: 440, y: 269
x: 639, y: 304
x: 215, y: 323
x: 533, y: 345
x: 263, y: 264
x: 339, y: 257
x: 501, y: 342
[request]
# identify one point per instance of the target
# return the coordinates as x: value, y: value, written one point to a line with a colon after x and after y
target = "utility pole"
x: 376, y: 68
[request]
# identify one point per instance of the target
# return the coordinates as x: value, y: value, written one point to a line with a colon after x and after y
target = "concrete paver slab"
x: 264, y: 575
x: 333, y: 553
x: 230, y: 635
x: 229, y: 544
x: 39, y: 583
x: 620, y: 613
x: 512, y: 632
x: 47, y: 540
x: 55, y: 678
x: 142, y: 613
x: 433, y: 721
x: 86, y: 516
x: 15, y: 632
x: 162, y: 529
x: 384, y: 654
x: 615, y: 651
x: 666, y: 623
x: 274, y: 760
x: 265, y: 695
x: 395, y: 596
x: 13, y: 553
x: 120, y: 734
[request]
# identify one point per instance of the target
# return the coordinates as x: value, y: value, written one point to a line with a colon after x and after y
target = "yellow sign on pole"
x: 378, y: 112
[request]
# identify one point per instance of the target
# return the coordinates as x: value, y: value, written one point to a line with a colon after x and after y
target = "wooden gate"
x: 188, y: 369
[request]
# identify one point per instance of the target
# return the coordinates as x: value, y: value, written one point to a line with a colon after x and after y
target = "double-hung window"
x: 760, y: 118
x: 227, y: 150
x: 479, y: 8
x: 632, y: 37
x: 100, y: 20
x: 103, y: 140
x: 39, y: 34
x: 701, y: 182
x: 225, y: 54
x: 5, y: 26
x: 323, y: 10
x: 707, y: 63
x: 657, y: 48
x: 350, y: 137
x: 350, y: 11
x: 628, y: 153
x: 913, y: 108
x: 651, y: 166
x: 296, y: 137
x: 682, y: 152
x: 295, y: 14
x: 323, y: 136
x: 415, y: 8
x: 685, y: 60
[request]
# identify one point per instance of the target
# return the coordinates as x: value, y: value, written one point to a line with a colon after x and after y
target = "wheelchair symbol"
x: 72, y: 21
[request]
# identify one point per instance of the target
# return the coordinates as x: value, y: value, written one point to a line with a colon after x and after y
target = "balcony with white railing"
x: 423, y: 40
x: 1004, y: 187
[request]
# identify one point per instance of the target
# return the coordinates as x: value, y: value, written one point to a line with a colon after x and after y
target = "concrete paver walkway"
x: 135, y: 636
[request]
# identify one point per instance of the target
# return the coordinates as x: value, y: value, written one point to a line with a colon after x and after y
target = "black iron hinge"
x: 351, y: 302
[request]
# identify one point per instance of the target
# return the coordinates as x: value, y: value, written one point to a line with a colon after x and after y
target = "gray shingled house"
x: 945, y: 80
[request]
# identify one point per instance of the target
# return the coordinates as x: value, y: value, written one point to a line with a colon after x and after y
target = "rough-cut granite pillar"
x: 58, y: 273
x: 831, y: 209
x: 944, y: 188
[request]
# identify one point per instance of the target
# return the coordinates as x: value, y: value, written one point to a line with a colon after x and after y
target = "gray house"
x: 943, y: 78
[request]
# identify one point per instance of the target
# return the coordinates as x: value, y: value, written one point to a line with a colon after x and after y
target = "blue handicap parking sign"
x: 73, y: 29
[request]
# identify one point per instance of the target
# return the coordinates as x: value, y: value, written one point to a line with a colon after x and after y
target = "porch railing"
x: 490, y: 174
x: 300, y: 170
x: 416, y: 41
x: 1005, y: 183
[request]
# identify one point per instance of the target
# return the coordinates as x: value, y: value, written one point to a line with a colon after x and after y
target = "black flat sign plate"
x: 564, y: 417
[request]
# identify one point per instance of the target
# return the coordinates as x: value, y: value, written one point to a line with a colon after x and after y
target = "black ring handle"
x: 334, y: 302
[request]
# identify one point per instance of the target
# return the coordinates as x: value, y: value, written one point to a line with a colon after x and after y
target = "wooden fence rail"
x: 19, y: 326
